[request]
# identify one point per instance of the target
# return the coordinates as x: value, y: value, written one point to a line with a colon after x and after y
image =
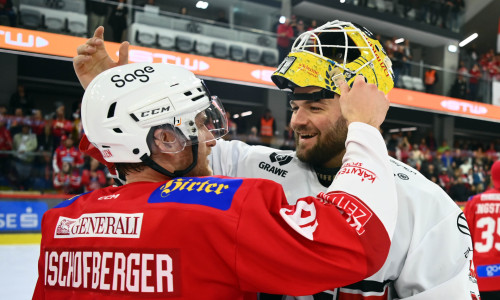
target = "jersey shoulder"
x: 412, y: 186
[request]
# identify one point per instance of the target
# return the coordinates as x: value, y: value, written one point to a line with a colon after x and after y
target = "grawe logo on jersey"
x: 114, y: 225
x: 281, y: 159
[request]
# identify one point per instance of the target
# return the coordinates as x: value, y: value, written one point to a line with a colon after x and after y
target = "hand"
x: 93, y: 59
x: 363, y: 103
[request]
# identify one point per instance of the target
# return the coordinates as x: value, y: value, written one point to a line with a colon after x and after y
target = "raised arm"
x: 93, y: 59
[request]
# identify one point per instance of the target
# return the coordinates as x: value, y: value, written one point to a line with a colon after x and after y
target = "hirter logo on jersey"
x: 209, y: 191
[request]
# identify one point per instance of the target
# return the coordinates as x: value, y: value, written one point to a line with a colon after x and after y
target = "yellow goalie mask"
x: 331, y: 54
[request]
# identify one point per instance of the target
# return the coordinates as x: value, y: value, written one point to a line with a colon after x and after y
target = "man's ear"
x: 165, y: 140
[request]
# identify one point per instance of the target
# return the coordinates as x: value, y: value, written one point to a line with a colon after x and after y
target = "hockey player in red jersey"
x: 483, y: 215
x: 174, y: 231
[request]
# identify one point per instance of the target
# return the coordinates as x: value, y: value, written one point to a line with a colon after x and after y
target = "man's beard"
x: 329, y: 144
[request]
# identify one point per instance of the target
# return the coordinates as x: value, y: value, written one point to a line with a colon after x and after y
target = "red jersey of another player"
x: 483, y: 216
x: 206, y: 238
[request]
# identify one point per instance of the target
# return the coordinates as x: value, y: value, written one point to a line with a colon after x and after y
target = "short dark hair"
x: 126, y: 168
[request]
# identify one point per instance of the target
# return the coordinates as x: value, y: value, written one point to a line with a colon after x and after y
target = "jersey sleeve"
x: 329, y: 241
x: 225, y: 156
x: 454, y: 278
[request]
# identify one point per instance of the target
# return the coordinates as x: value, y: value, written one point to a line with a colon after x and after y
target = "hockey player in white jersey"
x: 431, y: 254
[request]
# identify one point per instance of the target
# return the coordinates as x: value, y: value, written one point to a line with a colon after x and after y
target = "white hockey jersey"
x: 431, y: 252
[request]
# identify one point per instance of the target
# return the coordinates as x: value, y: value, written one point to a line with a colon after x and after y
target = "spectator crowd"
x: 40, y: 153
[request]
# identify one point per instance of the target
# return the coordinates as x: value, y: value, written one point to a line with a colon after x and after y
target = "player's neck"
x: 334, y: 162
x: 146, y: 175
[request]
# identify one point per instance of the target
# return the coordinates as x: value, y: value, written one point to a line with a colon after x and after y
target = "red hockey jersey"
x: 483, y: 216
x: 202, y: 238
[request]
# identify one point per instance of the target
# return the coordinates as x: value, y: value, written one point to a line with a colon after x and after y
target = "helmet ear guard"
x: 331, y: 54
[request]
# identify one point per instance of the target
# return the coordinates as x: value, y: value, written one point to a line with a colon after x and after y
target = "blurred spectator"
x: 232, y: 127
x: 37, y: 122
x: 16, y: 121
x: 93, y: 176
x: 7, y: 10
x: 444, y: 147
x: 24, y: 143
x: 416, y: 157
x: 444, y: 179
x: 253, y: 137
x: 69, y: 180
x: 398, y: 61
x: 392, y: 144
x: 300, y: 28
x: 462, y: 69
x: 285, y: 35
x: 407, y: 57
x: 288, y: 139
x: 118, y: 20
x: 5, y: 144
x: 97, y: 11
x: 21, y: 99
x: 453, y: 8
x: 435, y: 7
x: 67, y: 153
x: 430, y: 80
x: 60, y: 126
x: 182, y: 11
x: 404, y: 148
x: 475, y: 75
x: 221, y: 17
x: 431, y: 141
x: 459, y: 88
x: 430, y: 171
x: 391, y: 46
x: 459, y: 189
x: 313, y: 25
x: 267, y: 127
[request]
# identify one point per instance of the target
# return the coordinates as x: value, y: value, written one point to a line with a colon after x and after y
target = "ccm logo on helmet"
x: 139, y: 74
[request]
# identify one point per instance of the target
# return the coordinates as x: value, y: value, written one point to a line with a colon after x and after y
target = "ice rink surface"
x: 18, y: 271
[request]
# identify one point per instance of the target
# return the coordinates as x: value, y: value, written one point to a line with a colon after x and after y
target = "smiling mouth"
x: 306, y: 136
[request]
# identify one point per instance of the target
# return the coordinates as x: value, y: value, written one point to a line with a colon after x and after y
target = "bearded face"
x: 328, y: 142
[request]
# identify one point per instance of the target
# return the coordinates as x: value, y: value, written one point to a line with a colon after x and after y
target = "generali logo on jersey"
x: 114, y: 225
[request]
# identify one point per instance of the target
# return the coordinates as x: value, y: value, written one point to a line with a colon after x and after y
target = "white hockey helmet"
x: 331, y: 54
x: 123, y: 106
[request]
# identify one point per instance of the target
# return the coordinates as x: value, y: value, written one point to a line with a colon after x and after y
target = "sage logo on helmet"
x: 334, y: 53
x: 139, y: 74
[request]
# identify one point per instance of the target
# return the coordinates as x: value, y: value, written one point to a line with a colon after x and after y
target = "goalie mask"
x: 331, y: 54
x: 127, y: 108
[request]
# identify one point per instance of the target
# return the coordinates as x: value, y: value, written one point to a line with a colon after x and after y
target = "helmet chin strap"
x: 153, y: 165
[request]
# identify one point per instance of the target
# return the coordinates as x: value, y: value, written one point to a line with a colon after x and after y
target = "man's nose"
x: 299, y: 117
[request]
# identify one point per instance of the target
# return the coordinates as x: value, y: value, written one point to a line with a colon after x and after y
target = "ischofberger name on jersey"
x: 153, y: 271
x: 115, y: 225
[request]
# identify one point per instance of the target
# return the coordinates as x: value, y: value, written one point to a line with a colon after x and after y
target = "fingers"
x: 123, y: 53
x: 99, y: 33
x: 344, y: 88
